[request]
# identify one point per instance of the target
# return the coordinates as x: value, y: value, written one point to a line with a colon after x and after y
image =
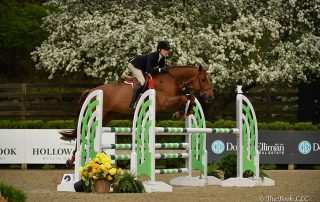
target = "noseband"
x: 203, y: 90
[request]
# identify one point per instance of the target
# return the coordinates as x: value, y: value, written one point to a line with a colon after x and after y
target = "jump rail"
x: 143, y: 155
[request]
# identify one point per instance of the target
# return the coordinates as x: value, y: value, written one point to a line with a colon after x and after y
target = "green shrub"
x: 120, y: 123
x: 31, y: 124
x: 170, y: 138
x: 224, y: 124
x: 213, y: 170
x: 170, y: 123
x: 128, y: 184
x: 228, y: 164
x: 15, y: 166
x: 304, y: 126
x: 316, y: 167
x: 48, y: 166
x: 209, y: 124
x: 268, y: 166
x: 263, y: 126
x: 249, y: 173
x: 170, y: 163
x: 5, y: 124
x: 124, y: 139
x: 279, y: 125
x: 61, y: 124
x: 66, y: 124
x: 12, y: 194
x: 37, y: 124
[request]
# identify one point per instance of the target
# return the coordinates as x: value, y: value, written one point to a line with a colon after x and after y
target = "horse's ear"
x: 202, y: 68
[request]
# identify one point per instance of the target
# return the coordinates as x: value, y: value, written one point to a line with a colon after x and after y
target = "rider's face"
x: 164, y: 52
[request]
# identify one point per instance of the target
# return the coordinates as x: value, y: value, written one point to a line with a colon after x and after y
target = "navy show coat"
x: 148, y: 63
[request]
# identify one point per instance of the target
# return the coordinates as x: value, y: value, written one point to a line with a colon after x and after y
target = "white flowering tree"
x: 246, y: 42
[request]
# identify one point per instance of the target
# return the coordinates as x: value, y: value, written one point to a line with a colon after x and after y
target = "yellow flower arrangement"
x: 99, y: 168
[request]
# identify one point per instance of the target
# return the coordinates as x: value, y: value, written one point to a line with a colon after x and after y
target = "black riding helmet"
x: 163, y: 45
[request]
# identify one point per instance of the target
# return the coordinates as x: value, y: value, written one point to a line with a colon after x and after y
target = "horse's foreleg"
x: 70, y: 162
x: 179, y: 101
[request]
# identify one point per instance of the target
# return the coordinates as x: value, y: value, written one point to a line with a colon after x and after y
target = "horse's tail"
x: 73, y: 133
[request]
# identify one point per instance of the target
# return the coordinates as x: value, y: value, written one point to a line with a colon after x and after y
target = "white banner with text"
x: 39, y: 146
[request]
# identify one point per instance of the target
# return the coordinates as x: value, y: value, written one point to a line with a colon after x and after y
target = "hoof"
x: 179, y: 116
x: 173, y: 116
x: 69, y: 163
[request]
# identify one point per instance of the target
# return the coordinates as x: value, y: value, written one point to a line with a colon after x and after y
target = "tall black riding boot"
x: 136, y: 93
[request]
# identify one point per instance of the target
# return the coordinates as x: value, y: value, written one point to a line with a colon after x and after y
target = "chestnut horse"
x: 169, y: 88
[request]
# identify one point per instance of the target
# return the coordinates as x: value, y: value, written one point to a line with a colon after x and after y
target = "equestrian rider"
x: 151, y: 63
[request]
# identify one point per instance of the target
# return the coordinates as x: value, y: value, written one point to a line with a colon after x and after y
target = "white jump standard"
x: 143, y: 147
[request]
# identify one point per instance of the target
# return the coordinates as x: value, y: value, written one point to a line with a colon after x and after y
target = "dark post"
x: 23, y: 100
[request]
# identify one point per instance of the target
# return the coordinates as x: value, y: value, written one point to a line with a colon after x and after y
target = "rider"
x: 151, y: 63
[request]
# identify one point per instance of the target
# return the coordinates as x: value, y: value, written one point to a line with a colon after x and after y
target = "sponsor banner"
x: 38, y: 146
x: 12, y: 146
x: 278, y: 147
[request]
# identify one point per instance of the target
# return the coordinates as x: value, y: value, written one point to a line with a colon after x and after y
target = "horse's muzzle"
x: 207, y: 98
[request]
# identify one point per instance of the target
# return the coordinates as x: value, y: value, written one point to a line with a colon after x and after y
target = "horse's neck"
x: 184, y: 74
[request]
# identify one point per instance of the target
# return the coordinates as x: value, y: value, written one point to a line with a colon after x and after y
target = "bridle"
x: 203, y: 90
x: 182, y: 85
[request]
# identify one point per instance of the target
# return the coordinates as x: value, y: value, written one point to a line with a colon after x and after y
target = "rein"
x: 182, y: 85
x: 179, y: 83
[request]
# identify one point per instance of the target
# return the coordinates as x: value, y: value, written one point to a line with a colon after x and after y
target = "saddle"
x: 133, y: 81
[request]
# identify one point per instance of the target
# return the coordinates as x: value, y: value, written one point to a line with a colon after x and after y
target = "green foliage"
x: 213, y: 170
x: 317, y: 167
x: 242, y: 42
x: 60, y: 124
x: 224, y: 124
x: 249, y: 173
x: 128, y: 184
x: 65, y: 124
x: 12, y: 194
x: 170, y: 163
x: 262, y: 174
x: 26, y: 124
x: 48, y: 166
x: 15, y: 166
x: 37, y: 124
x: 263, y: 126
x: 124, y: 139
x: 304, y: 126
x: 120, y: 123
x: 228, y: 164
x: 279, y: 125
x: 6, y: 124
x: 268, y: 166
x: 171, y: 123
x: 20, y: 28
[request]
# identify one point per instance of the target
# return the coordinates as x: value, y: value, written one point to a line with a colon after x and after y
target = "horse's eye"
x: 203, y: 80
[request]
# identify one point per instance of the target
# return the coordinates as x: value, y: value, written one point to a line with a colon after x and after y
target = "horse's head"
x: 205, y: 85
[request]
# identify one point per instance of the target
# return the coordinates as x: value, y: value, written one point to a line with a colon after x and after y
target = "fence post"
x: 23, y: 100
